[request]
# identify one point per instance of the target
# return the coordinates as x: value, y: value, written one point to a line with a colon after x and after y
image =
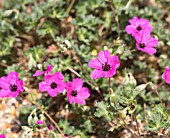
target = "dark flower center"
x: 139, y: 28
x: 53, y: 85
x: 0, y: 88
x: 142, y: 45
x: 13, y: 88
x: 105, y: 67
x: 132, y: 106
x: 74, y: 93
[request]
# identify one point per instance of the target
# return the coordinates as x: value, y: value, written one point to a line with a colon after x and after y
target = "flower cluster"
x: 11, y: 86
x: 141, y: 29
x: 54, y: 84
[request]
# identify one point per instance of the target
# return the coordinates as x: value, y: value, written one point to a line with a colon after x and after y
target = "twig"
x: 162, y: 15
x: 144, y: 107
x: 51, y: 119
x: 3, y: 65
x: 73, y: 71
x: 137, y: 124
x: 116, y: 16
x: 156, y: 91
x: 70, y: 6
x: 109, y: 82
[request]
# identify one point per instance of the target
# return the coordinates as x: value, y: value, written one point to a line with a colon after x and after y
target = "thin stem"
x: 51, y: 119
x: 73, y: 71
x: 109, y: 82
x: 160, y: 99
x: 93, y: 83
x: 156, y: 91
x: 125, y: 125
x: 144, y: 107
x: 137, y: 124
x: 116, y: 16
x: 70, y: 6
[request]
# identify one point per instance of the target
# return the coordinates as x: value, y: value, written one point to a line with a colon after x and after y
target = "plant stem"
x: 93, y: 83
x: 137, y: 124
x: 70, y: 6
x: 51, y: 119
x: 116, y: 16
x: 109, y: 82
x: 156, y: 91
x: 125, y: 125
x: 160, y: 99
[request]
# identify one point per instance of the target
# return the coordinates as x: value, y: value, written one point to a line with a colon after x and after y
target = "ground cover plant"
x: 94, y: 68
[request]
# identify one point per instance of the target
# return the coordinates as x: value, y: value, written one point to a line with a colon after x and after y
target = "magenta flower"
x: 10, y: 86
x: 47, y: 71
x: 105, y: 65
x: 145, y: 43
x: 166, y: 75
x: 76, y: 92
x: 40, y: 122
x: 53, y: 84
x: 50, y: 127
x: 2, y: 136
x: 137, y: 25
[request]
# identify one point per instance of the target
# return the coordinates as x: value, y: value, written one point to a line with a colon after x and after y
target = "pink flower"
x: 166, y: 75
x: 105, y: 65
x: 39, y: 72
x: 2, y: 136
x: 76, y: 92
x: 10, y: 86
x: 145, y: 43
x: 137, y: 25
x: 50, y: 127
x: 40, y: 122
x: 53, y: 84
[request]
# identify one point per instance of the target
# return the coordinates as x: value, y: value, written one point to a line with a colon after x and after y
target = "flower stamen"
x: 106, y: 67
x: 53, y: 85
x: 142, y: 45
x: 74, y: 93
x: 139, y: 28
x: 13, y: 88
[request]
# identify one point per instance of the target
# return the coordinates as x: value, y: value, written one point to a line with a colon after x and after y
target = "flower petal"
x: 97, y: 74
x: 94, y: 63
x: 49, y: 68
x: 43, y: 86
x: 38, y: 73
x: 110, y: 73
x: 58, y: 76
x: 4, y: 83
x: 84, y: 92
x: 152, y: 42
x: 60, y: 86
x: 52, y: 92
x: 104, y: 56
x: 77, y: 84
x: 79, y: 100
x: 114, y: 62
x: 4, y: 93
x: 130, y: 29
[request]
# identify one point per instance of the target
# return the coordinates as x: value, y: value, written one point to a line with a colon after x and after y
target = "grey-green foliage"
x: 157, y: 118
x: 7, y: 31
